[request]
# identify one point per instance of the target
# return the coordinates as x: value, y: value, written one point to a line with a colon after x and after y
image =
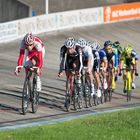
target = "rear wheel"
x: 87, y: 95
x: 67, y: 102
x: 34, y: 97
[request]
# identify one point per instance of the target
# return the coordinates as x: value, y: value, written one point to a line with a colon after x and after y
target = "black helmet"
x: 107, y: 43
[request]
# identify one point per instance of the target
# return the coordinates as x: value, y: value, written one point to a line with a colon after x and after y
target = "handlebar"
x: 27, y: 67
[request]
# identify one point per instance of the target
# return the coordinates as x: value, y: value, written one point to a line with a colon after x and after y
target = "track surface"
x: 51, y: 104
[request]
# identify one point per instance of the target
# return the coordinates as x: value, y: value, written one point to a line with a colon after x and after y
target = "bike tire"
x: 34, y: 97
x: 86, y: 94
x: 110, y: 95
x: 80, y: 101
x: 25, y: 96
x: 105, y: 95
x: 75, y: 98
x: 67, y: 102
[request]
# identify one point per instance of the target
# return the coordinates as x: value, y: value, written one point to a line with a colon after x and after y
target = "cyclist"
x: 95, y: 48
x: 103, y: 65
x: 111, y: 60
x: 70, y: 58
x: 35, y: 51
x: 117, y: 49
x: 88, y: 61
x: 129, y: 59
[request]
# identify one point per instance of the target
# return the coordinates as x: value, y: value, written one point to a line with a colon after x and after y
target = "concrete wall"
x: 12, y: 10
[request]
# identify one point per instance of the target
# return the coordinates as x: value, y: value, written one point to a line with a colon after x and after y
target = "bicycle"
x: 73, y: 94
x: 30, y: 93
x: 128, y: 83
x: 111, y: 83
x: 89, y: 100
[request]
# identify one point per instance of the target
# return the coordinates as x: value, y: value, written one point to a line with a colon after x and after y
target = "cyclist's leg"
x: 103, y: 72
x: 124, y: 79
x: 97, y: 79
x: 133, y: 66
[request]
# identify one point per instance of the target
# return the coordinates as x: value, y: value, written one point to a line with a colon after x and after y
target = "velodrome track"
x: 51, y: 104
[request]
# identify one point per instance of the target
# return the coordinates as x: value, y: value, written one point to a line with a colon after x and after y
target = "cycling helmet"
x: 116, y: 43
x: 95, y: 45
x: 82, y: 42
x: 29, y: 39
x: 88, y: 43
x: 70, y: 42
x: 128, y: 49
x: 107, y: 43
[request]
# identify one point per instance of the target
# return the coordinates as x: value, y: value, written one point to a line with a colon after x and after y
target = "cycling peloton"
x: 35, y: 51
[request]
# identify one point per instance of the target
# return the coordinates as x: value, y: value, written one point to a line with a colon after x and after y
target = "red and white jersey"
x: 38, y: 51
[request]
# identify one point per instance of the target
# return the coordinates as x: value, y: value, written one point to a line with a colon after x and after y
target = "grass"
x: 123, y: 125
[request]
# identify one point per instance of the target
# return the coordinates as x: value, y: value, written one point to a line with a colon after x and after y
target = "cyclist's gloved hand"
x: 60, y: 74
x: 136, y: 74
x: 16, y: 73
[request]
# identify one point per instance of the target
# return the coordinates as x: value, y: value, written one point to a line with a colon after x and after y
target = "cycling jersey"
x: 86, y: 53
x: 134, y: 54
x: 70, y: 58
x: 102, y: 54
x: 37, y: 51
x: 96, y: 60
x: 110, y: 57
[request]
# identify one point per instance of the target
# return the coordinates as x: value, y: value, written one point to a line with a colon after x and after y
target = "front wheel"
x: 25, y: 97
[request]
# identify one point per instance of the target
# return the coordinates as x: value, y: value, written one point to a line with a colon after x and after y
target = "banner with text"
x: 121, y: 12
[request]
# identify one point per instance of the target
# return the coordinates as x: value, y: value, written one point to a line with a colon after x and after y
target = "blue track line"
x: 40, y: 123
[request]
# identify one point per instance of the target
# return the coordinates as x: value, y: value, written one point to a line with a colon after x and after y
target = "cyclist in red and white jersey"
x: 32, y: 51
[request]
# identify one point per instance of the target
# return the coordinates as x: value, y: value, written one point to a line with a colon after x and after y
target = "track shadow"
x: 9, y: 108
x: 53, y: 100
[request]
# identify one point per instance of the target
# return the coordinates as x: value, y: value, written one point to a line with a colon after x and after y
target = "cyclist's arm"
x: 62, y: 58
x: 90, y: 59
x: 80, y: 60
x: 40, y: 59
x: 21, y: 57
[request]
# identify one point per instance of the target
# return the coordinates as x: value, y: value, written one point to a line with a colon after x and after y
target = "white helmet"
x: 89, y: 44
x: 95, y: 46
x: 82, y: 42
x: 70, y: 42
x: 29, y: 39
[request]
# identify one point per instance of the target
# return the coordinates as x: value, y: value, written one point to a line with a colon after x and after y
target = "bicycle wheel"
x: 105, y: 95
x: 67, y: 97
x: 87, y: 95
x: 34, y: 96
x: 80, y: 100
x: 110, y: 95
x: 129, y: 86
x: 75, y: 97
x: 25, y: 96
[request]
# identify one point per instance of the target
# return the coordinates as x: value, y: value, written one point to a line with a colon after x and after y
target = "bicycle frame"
x: 29, y: 92
x: 128, y: 83
x: 72, y: 92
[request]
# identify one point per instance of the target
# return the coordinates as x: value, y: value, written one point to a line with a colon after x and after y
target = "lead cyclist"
x: 32, y: 51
